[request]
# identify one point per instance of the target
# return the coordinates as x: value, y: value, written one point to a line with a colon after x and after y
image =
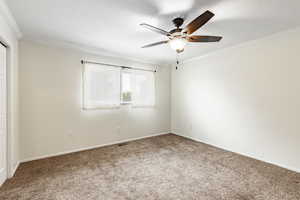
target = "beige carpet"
x: 162, y: 168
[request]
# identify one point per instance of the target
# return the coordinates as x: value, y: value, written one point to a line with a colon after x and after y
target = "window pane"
x: 126, y: 87
x: 101, y: 86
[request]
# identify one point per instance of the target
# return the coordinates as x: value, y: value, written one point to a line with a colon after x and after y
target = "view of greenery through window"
x: 126, y: 96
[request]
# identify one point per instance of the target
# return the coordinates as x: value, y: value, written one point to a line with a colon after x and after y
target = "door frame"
x: 9, y: 171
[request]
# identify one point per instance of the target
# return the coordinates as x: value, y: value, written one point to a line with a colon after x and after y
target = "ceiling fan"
x: 178, y: 37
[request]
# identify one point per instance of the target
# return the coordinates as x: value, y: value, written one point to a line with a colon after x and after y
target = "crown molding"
x: 7, y: 15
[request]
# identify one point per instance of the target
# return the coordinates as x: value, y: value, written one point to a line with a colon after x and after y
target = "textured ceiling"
x: 112, y: 26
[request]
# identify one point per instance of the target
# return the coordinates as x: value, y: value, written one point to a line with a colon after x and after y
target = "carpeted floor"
x: 166, y: 167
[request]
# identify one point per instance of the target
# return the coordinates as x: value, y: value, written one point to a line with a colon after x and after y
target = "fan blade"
x: 155, y: 29
x: 198, y: 22
x: 155, y: 44
x: 200, y: 38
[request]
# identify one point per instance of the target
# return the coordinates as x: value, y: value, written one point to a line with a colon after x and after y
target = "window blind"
x: 101, y: 86
x: 143, y: 88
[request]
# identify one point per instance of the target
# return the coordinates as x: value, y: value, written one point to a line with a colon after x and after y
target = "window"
x: 108, y: 87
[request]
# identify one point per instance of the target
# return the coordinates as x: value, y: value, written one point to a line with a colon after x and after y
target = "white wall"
x: 244, y: 99
x: 51, y: 116
x: 9, y: 36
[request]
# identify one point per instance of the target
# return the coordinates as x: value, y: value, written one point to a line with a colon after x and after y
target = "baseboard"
x: 13, y: 171
x: 243, y: 154
x: 92, y: 147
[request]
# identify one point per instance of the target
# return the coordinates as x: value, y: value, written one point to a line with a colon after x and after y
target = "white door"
x: 3, y: 132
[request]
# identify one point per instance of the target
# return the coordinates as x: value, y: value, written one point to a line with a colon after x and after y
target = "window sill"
x: 149, y: 106
x: 101, y: 108
x: 126, y: 104
x: 117, y: 107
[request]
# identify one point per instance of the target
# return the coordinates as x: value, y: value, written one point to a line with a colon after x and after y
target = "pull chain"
x: 177, y: 61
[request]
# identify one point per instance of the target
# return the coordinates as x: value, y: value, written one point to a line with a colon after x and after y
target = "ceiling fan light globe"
x: 177, y: 44
x: 179, y: 50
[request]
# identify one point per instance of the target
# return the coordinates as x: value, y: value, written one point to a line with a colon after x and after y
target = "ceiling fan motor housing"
x: 178, y: 21
x: 176, y: 30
